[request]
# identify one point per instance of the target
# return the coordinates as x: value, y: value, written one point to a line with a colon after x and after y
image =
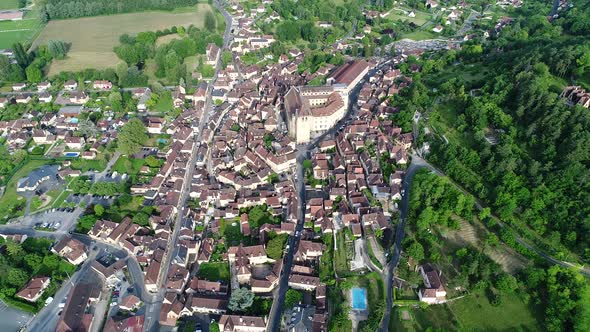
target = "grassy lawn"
x: 10, y: 202
x: 474, y: 312
x: 85, y: 165
x: 214, y: 271
x: 435, y: 316
x: 400, y: 14
x: 125, y: 165
x: 421, y: 35
x: 61, y: 198
x: 164, y: 104
x: 93, y: 38
x: 19, y: 31
x: 340, y: 258
x: 471, y: 313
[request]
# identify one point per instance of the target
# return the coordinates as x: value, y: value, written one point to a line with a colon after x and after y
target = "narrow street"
x: 153, y: 308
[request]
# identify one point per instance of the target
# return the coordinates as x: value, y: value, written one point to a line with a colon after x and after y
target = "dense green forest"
x: 560, y: 295
x: 299, y: 19
x: 169, y: 58
x: 59, y: 9
x: 510, y: 139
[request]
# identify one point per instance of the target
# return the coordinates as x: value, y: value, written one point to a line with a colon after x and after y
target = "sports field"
x: 93, y: 38
x: 19, y: 31
x: 8, y: 4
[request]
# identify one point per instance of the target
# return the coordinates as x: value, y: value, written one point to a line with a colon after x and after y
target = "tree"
x: 240, y: 300
x: 214, y: 327
x: 32, y: 261
x: 292, y: 298
x: 210, y: 21
x: 22, y: 57
x: 51, y: 262
x: 274, y: 247
x: 116, y: 101
x: 17, y: 277
x: 141, y: 219
x: 132, y: 137
x: 492, y: 240
x: 57, y: 49
x: 152, y: 161
x: 273, y: 178
x: 15, y: 251
x: 416, y: 251
x: 506, y: 283
x: 34, y: 74
x: 98, y: 210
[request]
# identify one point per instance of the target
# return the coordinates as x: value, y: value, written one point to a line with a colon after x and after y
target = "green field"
x: 8, y: 4
x: 400, y: 14
x: 19, y: 31
x: 93, y: 38
x: 471, y: 313
x: 214, y: 271
x: 474, y: 312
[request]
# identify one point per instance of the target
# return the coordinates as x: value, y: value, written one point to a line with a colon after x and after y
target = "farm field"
x: 19, y: 31
x: 93, y: 38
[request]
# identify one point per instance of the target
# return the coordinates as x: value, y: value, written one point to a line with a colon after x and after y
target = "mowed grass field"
x: 19, y: 31
x: 402, y: 14
x: 471, y: 313
x: 93, y: 38
x: 8, y: 4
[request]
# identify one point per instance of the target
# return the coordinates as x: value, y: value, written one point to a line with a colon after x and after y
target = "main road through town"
x: 152, y: 313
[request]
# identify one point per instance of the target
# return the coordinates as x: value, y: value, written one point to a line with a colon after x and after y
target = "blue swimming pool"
x: 72, y: 154
x: 359, y: 298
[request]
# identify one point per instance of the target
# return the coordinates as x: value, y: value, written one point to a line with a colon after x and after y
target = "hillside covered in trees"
x: 59, y: 9
x: 509, y: 138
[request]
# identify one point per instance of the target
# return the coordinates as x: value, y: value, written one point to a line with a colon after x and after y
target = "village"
x: 270, y: 196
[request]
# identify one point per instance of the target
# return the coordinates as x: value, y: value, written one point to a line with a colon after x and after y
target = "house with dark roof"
x: 34, y: 289
x: 434, y: 292
x: 75, y: 315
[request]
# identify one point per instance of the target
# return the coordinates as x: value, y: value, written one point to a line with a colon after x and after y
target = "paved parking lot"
x: 12, y: 319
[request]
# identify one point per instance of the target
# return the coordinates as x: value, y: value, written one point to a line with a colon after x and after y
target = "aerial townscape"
x: 294, y: 165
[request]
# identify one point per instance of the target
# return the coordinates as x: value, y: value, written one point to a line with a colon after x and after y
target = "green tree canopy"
x: 241, y: 299
x: 132, y: 137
